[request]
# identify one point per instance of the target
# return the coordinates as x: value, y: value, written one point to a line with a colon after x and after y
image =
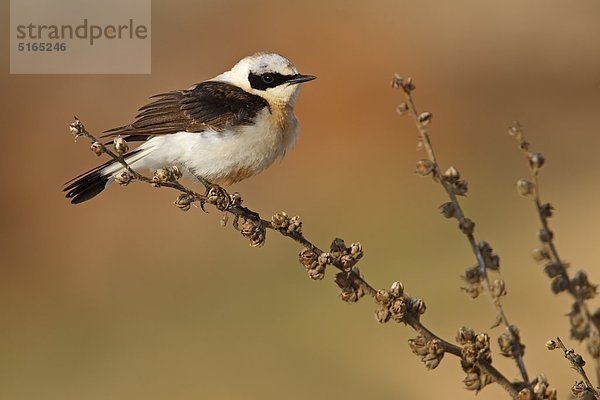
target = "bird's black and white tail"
x: 91, y: 183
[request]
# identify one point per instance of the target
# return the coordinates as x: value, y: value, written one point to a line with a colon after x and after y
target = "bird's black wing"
x: 207, y: 105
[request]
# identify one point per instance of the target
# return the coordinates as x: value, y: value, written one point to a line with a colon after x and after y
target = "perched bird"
x: 220, y: 131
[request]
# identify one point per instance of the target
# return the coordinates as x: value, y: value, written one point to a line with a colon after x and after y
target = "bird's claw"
x: 218, y: 197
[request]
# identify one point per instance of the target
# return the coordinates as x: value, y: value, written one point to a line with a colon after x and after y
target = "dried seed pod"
x: 183, y: 201
x: 465, y: 335
x: 347, y: 261
x: 559, y: 284
x: 418, y: 345
x: 498, y: 288
x: 325, y: 259
x: 349, y: 296
x: 382, y: 297
x: 541, y: 388
x: 473, y: 279
x: 578, y: 360
x: 579, y: 388
x: 123, y: 178
x: 469, y: 353
x: 382, y: 315
x: 408, y: 85
x: 397, y: 81
x: 295, y: 225
x: 525, y: 394
x: 397, y: 289
x: 398, y: 309
x: 515, y: 128
x: 351, y: 288
x: 552, y: 344
x: 432, y: 360
x: 553, y: 269
x: 472, y: 381
x: 551, y: 394
x: 280, y: 220
x: 546, y: 210
x: 536, y: 160
x: 545, y: 235
x: 76, y: 128
x: 434, y: 354
x: 491, y: 260
x: 540, y: 254
x: 435, y: 346
x: 161, y: 175
x: 448, y: 209
x: 425, y: 118
x: 485, y: 247
x: 343, y: 280
x: 121, y: 146
x: 460, y: 187
x: 235, y: 199
x: 338, y: 247
x: 418, y: 306
x: 402, y: 109
x: 505, y: 342
x: 451, y: 174
x: 424, y: 167
x: 472, y: 274
x: 307, y: 257
x: 516, y: 131
x: 254, y: 231
x: 580, y: 278
x: 580, y: 327
x: 466, y: 225
x: 525, y: 187
x: 356, y: 250
x: 593, y: 345
x: 483, y: 341
x: 97, y: 148
x: 316, y: 271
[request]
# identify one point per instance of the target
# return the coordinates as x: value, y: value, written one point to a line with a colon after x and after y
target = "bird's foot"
x: 223, y: 201
x: 216, y: 196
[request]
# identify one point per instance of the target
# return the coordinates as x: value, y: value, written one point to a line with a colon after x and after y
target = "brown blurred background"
x: 126, y: 297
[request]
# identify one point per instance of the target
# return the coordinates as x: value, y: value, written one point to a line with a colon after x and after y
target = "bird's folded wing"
x: 209, y: 105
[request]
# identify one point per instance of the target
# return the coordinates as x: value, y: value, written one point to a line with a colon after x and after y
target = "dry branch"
x: 393, y: 304
x: 584, y: 324
x: 477, y: 277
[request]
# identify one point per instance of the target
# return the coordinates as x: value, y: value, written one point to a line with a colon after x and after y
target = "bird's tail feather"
x: 91, y: 183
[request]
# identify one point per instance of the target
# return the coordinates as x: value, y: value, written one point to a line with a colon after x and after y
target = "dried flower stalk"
x: 582, y: 389
x: 584, y: 324
x: 392, y: 304
x: 477, y: 277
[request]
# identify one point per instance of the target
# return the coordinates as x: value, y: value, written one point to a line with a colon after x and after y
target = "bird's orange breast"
x: 237, y: 175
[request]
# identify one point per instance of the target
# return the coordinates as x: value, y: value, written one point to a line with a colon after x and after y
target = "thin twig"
x: 422, y: 122
x: 577, y: 364
x: 453, y: 349
x: 234, y: 208
x: 558, y: 271
x: 291, y: 229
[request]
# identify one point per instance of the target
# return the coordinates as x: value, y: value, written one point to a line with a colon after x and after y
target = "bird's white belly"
x: 222, y: 157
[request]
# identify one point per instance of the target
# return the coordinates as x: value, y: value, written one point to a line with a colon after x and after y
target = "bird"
x: 219, y: 131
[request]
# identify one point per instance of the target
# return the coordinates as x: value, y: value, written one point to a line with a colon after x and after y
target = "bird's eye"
x: 268, y: 78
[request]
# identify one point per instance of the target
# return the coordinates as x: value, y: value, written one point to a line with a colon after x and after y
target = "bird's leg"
x: 207, y: 185
x: 218, y: 196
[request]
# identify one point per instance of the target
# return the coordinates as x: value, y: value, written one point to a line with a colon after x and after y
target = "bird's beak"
x: 298, y: 78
